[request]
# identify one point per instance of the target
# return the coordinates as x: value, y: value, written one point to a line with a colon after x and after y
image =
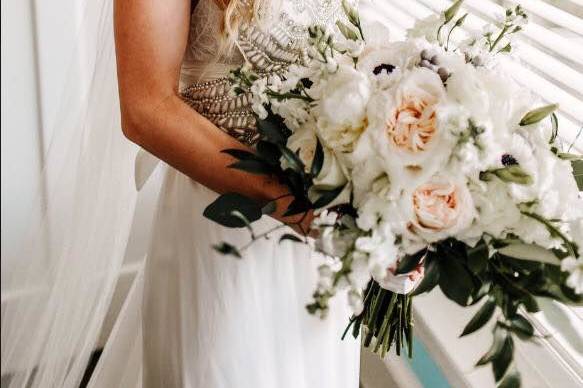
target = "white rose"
x: 410, y: 130
x: 342, y: 108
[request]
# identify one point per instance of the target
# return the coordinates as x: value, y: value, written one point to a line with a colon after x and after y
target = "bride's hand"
x: 300, y: 223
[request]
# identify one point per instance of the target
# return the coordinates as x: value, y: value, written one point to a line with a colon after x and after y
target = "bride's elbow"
x: 133, y: 121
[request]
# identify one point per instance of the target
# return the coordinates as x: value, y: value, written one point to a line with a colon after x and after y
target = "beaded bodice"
x: 268, y: 47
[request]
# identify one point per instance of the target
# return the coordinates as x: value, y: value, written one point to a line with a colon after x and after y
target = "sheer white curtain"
x: 68, y: 263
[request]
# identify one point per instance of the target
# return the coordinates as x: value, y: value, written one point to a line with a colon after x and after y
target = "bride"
x: 193, y: 318
x: 209, y: 320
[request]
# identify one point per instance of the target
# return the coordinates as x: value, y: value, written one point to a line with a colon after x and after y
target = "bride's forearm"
x: 186, y: 140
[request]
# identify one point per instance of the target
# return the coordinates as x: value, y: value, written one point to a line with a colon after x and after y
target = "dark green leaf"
x: 290, y: 237
x: 318, y: 161
x: 269, y: 208
x: 239, y: 154
x: 271, y: 130
x: 482, y: 317
x: 327, y: 196
x: 511, y: 380
x: 269, y: 152
x: 478, y: 257
x: 220, y: 211
x: 227, y: 249
x: 241, y: 216
x: 498, y: 342
x: 536, y: 115
x: 555, y: 128
x: 578, y: 173
x: 501, y: 363
x: 297, y: 206
x: 455, y: 281
x: 253, y: 166
x: 409, y: 263
x: 431, y: 278
x: 292, y: 160
x: 522, y: 327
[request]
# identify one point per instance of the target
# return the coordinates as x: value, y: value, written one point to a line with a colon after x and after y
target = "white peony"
x: 342, y: 108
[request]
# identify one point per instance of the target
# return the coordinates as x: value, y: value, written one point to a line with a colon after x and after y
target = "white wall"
x: 21, y: 119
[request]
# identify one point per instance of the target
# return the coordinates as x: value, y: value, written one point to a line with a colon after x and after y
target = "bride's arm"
x: 151, y: 37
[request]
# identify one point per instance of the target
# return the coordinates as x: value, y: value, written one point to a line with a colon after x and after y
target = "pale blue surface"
x: 426, y: 370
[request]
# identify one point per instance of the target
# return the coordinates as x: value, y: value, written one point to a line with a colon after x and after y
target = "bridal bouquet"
x: 426, y: 165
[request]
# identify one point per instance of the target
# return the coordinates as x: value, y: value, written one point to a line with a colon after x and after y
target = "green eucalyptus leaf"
x: 221, y: 210
x: 431, y: 278
x: 569, y: 156
x: 512, y: 174
x: 482, y: 317
x: 452, y: 11
x: 536, y: 115
x: 227, y: 249
x: 318, y: 161
x: 530, y: 252
x: 348, y: 32
x: 290, y: 237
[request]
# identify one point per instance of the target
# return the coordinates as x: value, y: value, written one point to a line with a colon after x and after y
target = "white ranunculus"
x: 304, y: 142
x: 342, y: 108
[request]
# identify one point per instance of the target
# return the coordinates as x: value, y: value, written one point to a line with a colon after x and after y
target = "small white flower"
x: 575, y: 268
x: 427, y: 28
x: 355, y: 301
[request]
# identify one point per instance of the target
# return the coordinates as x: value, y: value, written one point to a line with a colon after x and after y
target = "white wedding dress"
x: 195, y: 318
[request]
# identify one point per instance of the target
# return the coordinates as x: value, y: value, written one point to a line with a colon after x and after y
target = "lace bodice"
x: 268, y: 47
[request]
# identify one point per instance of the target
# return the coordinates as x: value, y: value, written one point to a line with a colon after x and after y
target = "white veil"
x: 71, y: 256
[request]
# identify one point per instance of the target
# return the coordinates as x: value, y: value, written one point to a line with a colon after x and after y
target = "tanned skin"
x: 151, y: 38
